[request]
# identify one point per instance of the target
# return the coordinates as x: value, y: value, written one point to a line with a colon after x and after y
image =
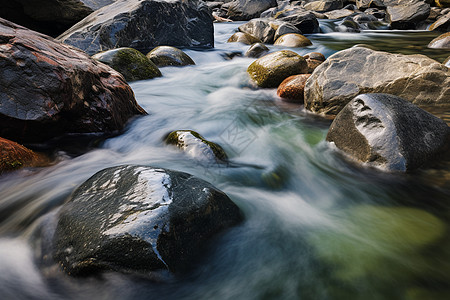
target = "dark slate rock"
x: 304, y: 20
x: 244, y: 10
x: 406, y: 14
x: 143, y: 25
x: 388, y: 132
x: 48, y: 89
x: 137, y: 219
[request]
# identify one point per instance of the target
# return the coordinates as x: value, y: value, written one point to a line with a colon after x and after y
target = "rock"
x: 270, y: 70
x: 196, y: 146
x: 447, y: 62
x: 137, y: 219
x: 163, y: 56
x: 244, y: 10
x: 260, y: 29
x: 406, y: 14
x: 132, y: 64
x: 242, y: 37
x: 283, y: 28
x: 313, y: 59
x: 377, y: 13
x: 363, y: 4
x: 324, y: 5
x: 49, y: 89
x: 51, y: 17
x: 293, y: 40
x: 388, y: 132
x: 292, y: 88
x: 359, y: 70
x: 340, y: 13
x: 348, y: 25
x: 129, y: 24
x: 441, y: 42
x: 305, y: 21
x: 14, y: 156
x: 442, y: 24
x: 256, y: 50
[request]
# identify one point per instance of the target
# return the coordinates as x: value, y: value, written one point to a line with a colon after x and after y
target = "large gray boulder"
x: 244, y: 10
x: 407, y: 14
x: 359, y: 70
x: 48, y: 89
x: 260, y: 28
x: 143, y: 25
x: 323, y: 5
x: 304, y: 20
x: 388, y: 132
x: 137, y: 219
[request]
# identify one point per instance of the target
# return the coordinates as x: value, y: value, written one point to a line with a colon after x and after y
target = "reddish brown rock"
x: 292, y: 88
x: 14, y: 156
x: 49, y: 89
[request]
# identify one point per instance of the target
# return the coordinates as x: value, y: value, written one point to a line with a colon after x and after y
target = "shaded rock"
x: 324, y: 5
x: 139, y: 219
x: 359, y: 70
x: 304, y: 20
x: 259, y: 28
x: 313, y: 59
x: 14, y: 156
x: 196, y: 146
x: 132, y: 64
x: 340, y: 13
x: 447, y: 62
x: 242, y: 37
x: 441, y: 42
x: 348, y: 25
x: 128, y: 24
x: 256, y: 50
x: 406, y: 14
x: 292, y: 88
x: 48, y: 89
x: 283, y: 28
x: 51, y: 17
x: 442, y: 24
x: 363, y: 4
x: 270, y: 70
x: 388, y: 132
x: 442, y: 3
x: 377, y: 13
x: 244, y: 10
x: 169, y: 56
x: 293, y: 40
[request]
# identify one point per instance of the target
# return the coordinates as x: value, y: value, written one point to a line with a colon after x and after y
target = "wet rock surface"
x: 163, y: 56
x: 292, y: 88
x: 441, y: 42
x: 14, y: 156
x: 137, y: 219
x: 243, y: 10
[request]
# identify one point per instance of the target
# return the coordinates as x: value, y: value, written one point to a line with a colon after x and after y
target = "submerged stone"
x: 137, y: 219
x: 163, y: 56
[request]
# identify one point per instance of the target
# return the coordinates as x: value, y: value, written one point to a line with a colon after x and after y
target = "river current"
x: 317, y: 225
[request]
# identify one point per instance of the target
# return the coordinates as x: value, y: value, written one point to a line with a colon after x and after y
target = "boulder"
x: 388, y: 132
x: 242, y: 37
x: 364, y: 4
x: 292, y: 88
x: 244, y: 10
x: 51, y: 17
x: 324, y: 5
x: 313, y: 59
x: 143, y: 25
x: 406, y: 14
x: 132, y: 64
x: 304, y: 20
x: 283, y: 28
x: 270, y: 70
x: 442, y: 24
x: 339, y: 13
x: 256, y: 50
x: 260, y: 28
x: 137, y: 219
x: 49, y: 89
x: 293, y: 40
x: 359, y: 70
x: 196, y: 146
x: 441, y: 42
x: 14, y: 156
x: 163, y: 56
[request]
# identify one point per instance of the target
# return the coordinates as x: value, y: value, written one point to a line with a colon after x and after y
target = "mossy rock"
x: 293, y: 40
x: 378, y: 242
x: 270, y: 70
x: 14, y: 156
x: 441, y: 42
x: 245, y: 38
x: 196, y: 145
x: 163, y: 56
x: 132, y: 64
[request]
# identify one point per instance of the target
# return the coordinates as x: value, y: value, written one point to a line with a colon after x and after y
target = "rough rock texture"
x: 14, y: 156
x: 339, y: 13
x: 293, y: 40
x: 259, y: 28
x: 292, y: 88
x: 304, y: 20
x: 387, y: 132
x: 244, y: 10
x: 129, y: 62
x: 242, y: 37
x: 442, y: 24
x: 49, y: 16
x: 196, y: 145
x: 313, y: 59
x: 163, y: 56
x: 138, y: 219
x: 406, y: 14
x: 256, y: 50
x: 441, y: 42
x: 270, y: 70
x: 143, y: 25
x: 48, y: 89
x: 359, y: 70
x: 324, y: 5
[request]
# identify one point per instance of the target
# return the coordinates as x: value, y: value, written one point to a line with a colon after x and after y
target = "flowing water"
x: 317, y: 226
